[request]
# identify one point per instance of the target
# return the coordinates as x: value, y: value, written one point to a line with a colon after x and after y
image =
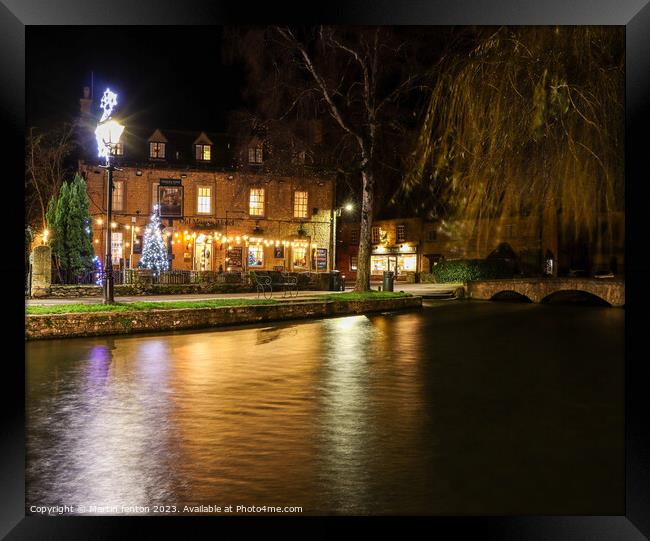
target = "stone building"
x: 216, y: 216
x: 412, y: 245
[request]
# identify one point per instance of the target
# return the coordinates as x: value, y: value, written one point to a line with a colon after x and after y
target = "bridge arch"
x: 510, y: 295
x: 574, y: 296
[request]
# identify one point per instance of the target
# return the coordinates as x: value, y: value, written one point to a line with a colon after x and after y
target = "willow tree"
x: 525, y: 120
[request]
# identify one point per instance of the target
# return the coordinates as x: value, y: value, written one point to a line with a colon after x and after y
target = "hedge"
x: 465, y: 270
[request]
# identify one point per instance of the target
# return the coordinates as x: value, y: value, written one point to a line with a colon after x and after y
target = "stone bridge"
x: 538, y: 290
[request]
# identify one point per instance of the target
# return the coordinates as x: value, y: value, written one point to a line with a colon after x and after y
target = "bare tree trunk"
x: 367, y: 200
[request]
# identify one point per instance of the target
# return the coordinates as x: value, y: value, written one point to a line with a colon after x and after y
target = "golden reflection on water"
x: 359, y: 414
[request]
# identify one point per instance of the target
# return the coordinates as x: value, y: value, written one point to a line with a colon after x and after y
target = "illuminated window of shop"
x: 353, y: 262
x: 204, y: 200
x: 401, y: 233
x: 300, y: 204
x: 256, y: 202
x: 407, y: 263
x: 202, y: 152
x: 256, y: 256
x: 118, y: 195
x: 378, y: 264
x: 117, y: 247
x: 300, y: 257
x: 375, y: 235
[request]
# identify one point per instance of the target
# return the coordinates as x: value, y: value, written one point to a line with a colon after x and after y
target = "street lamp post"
x: 335, y: 213
x: 108, y: 133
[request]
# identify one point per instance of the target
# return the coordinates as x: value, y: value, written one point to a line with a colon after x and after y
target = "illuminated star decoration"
x: 108, y: 103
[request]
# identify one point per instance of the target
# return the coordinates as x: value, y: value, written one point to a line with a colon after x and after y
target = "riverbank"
x: 97, y: 320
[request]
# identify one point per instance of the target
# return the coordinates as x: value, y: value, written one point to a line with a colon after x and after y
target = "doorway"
x: 203, y: 253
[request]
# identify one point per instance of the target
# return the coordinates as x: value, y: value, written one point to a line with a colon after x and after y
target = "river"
x: 463, y: 407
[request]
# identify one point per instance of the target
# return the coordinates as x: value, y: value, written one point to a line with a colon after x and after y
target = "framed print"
x: 476, y: 173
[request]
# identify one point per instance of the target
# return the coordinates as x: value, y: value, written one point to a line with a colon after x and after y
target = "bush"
x: 464, y: 270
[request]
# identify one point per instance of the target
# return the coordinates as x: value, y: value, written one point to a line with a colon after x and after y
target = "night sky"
x: 157, y: 72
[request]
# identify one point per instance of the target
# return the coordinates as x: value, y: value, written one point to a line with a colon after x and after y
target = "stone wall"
x: 41, y: 271
x: 108, y: 323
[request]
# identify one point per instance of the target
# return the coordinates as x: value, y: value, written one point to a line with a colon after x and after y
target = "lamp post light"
x: 336, y: 213
x: 108, y: 133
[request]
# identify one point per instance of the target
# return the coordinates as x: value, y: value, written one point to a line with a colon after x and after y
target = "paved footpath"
x: 415, y: 289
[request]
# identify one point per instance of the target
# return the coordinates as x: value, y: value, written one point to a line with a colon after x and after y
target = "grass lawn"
x: 142, y: 305
x: 365, y: 296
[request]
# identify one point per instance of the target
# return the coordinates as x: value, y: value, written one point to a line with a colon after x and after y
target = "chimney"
x: 85, y: 103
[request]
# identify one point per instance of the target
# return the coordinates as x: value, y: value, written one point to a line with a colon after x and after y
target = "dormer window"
x: 156, y: 149
x: 255, y: 154
x: 299, y: 158
x: 117, y: 149
x: 202, y: 152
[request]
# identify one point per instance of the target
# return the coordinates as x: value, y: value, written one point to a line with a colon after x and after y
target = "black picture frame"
x: 634, y: 14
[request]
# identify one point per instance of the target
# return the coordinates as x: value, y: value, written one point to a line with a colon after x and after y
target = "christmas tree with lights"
x: 154, y: 251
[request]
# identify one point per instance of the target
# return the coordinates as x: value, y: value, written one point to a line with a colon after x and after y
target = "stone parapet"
x: 538, y: 290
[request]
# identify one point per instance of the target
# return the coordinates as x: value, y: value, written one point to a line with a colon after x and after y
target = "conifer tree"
x: 154, y: 251
x: 68, y: 220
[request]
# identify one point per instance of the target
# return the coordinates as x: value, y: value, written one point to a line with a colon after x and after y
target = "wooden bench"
x: 264, y: 284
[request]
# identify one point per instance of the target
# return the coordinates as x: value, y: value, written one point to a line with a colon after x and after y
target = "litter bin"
x: 387, y: 284
x: 335, y: 281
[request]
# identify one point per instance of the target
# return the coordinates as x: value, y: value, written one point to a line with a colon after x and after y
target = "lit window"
x: 299, y: 157
x: 256, y: 256
x: 299, y: 257
x: 117, y: 149
x: 300, y: 204
x: 378, y: 264
x: 204, y: 200
x: 118, y: 195
x: 156, y: 150
x: 401, y: 233
x: 202, y: 152
x: 116, y: 247
x: 407, y: 263
x: 255, y: 154
x: 256, y: 202
x: 353, y: 262
x: 375, y: 235
x: 354, y: 236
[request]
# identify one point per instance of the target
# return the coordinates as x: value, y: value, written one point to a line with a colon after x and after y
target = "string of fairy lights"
x: 224, y: 240
x: 115, y: 226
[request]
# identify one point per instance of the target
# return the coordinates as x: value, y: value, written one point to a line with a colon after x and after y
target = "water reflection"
x: 459, y: 408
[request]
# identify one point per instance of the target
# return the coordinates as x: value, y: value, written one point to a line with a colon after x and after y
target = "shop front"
x: 215, y: 251
x: 402, y: 260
